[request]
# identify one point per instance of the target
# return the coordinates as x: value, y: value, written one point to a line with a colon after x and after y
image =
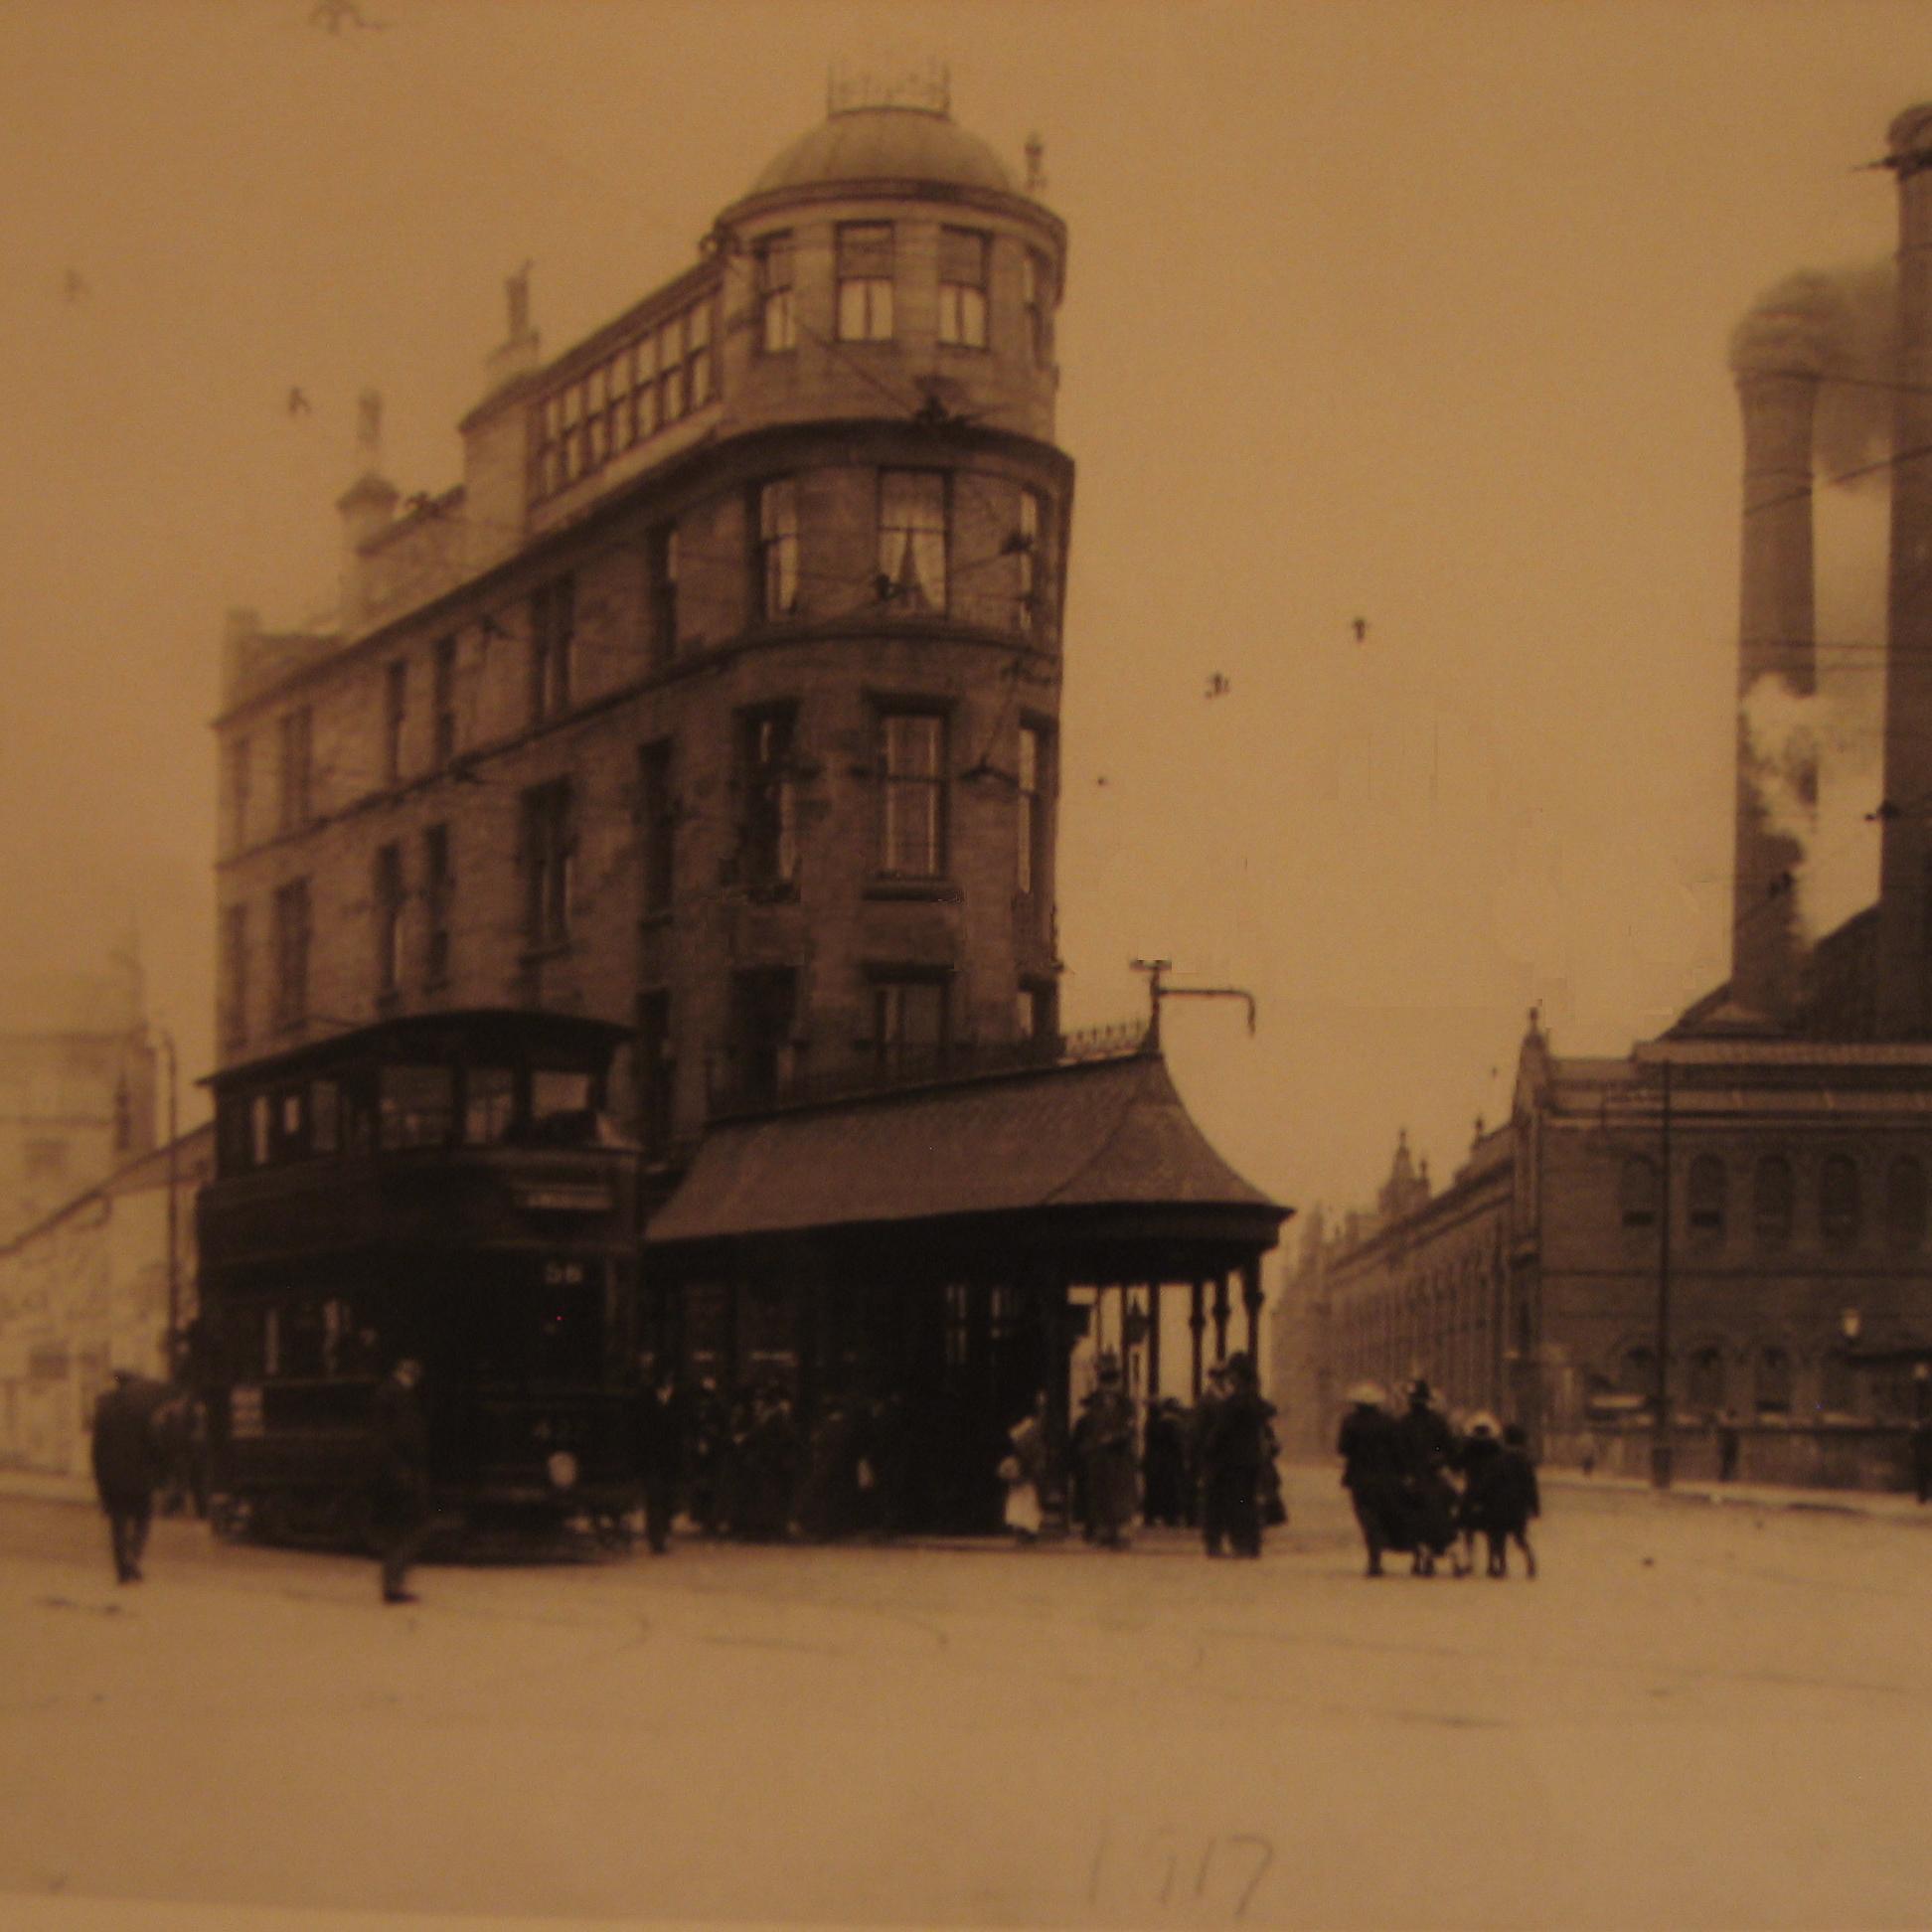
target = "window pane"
x: 415, y: 1106
x: 488, y: 1105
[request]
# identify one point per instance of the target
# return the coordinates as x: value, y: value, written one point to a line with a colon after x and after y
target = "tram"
x: 445, y: 1187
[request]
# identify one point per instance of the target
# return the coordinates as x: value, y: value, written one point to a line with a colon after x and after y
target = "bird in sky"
x: 74, y: 285
x: 1360, y: 630
x: 335, y: 14
x: 298, y: 403
x: 1103, y: 779
x: 1217, y: 685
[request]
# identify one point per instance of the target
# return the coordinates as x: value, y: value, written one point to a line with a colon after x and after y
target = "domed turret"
x: 887, y: 144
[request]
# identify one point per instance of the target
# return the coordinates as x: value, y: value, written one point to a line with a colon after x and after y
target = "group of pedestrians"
x: 1213, y: 1470
x: 1426, y: 1489
x: 747, y: 1468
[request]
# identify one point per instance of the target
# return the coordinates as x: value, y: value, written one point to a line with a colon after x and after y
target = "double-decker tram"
x: 444, y: 1187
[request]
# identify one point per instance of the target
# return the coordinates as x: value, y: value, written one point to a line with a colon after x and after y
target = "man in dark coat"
x: 1372, y: 1471
x: 1163, y: 1464
x: 1238, y: 1449
x: 1110, y: 1458
x: 1429, y: 1450
x: 400, y: 1475
x: 658, y: 1441
x: 1210, y: 1481
x: 125, y: 1468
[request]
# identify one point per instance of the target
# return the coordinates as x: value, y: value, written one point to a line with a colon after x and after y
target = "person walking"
x: 659, y: 1445
x: 400, y: 1475
x: 1372, y: 1471
x: 126, y: 1461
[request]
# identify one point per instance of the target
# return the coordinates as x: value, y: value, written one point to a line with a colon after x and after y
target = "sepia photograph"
x: 966, y: 963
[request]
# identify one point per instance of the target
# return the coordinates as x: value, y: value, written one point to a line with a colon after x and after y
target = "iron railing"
x: 870, y: 1071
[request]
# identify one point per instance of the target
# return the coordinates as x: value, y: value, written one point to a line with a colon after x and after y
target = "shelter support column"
x: 1196, y: 1323
x: 1251, y: 1305
x: 1054, y: 1333
x: 1220, y: 1318
x: 1153, y: 1340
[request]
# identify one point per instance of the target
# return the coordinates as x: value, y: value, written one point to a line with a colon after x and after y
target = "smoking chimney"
x: 1778, y: 370
x: 1904, y: 996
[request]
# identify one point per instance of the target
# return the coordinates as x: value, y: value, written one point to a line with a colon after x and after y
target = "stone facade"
x: 1758, y: 1208
x: 721, y: 697
x: 77, y: 1088
x: 84, y: 1292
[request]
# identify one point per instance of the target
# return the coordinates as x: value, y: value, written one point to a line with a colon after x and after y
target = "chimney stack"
x: 1776, y: 785
x: 367, y: 509
x: 1904, y: 932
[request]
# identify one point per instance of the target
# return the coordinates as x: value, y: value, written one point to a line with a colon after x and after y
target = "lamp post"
x: 1663, y: 1450
x: 174, y: 1249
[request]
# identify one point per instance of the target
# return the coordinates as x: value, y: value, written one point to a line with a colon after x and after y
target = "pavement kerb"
x: 1888, y: 1506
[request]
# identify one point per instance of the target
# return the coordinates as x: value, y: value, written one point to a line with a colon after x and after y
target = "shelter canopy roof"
x: 1094, y: 1135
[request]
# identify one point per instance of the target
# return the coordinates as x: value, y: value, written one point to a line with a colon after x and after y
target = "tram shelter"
x: 950, y: 1245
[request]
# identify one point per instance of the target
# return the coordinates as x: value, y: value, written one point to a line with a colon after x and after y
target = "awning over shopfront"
x: 1104, y: 1141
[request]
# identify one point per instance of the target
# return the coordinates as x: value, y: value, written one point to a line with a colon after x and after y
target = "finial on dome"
x: 925, y: 85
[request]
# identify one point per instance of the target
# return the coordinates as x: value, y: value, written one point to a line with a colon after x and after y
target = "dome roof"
x: 887, y: 144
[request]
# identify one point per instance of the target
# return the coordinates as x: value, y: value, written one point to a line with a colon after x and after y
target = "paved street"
x: 1696, y: 1717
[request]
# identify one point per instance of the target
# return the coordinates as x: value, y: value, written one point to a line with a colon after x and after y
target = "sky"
x: 1416, y: 314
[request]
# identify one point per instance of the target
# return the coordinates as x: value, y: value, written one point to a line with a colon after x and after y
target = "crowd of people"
x: 1426, y: 1489
x: 747, y: 1468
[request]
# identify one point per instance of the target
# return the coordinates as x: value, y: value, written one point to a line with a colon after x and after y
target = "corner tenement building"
x: 723, y: 689
x: 721, y: 700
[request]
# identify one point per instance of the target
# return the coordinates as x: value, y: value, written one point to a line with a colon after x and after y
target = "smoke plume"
x: 1841, y: 324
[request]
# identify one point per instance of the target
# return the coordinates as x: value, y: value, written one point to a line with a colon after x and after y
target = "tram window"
x: 490, y: 1104
x: 232, y: 1116
x: 304, y: 1342
x: 556, y: 1092
x: 415, y: 1106
x: 325, y: 1099
x: 272, y: 1354
x: 259, y: 1122
x: 290, y: 1140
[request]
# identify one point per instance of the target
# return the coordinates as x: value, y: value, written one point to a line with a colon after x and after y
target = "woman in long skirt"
x: 1025, y: 1469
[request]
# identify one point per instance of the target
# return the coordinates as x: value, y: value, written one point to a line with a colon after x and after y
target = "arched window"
x: 1905, y: 1204
x: 1838, y: 1206
x: 1773, y: 1201
x: 1639, y: 1192
x: 1707, y: 1391
x: 1773, y: 1382
x: 1705, y: 1210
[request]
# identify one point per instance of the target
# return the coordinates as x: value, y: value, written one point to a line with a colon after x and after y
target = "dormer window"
x: 865, y: 281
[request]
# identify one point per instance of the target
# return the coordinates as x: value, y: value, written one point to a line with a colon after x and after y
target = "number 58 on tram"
x: 443, y: 1186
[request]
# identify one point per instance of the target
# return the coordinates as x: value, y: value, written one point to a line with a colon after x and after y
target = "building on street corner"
x: 721, y: 700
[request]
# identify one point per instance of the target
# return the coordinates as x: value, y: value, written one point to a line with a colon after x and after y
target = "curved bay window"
x: 1705, y: 1208
x: 913, y: 539
x: 912, y: 795
x: 1839, y: 1205
x: 1774, y: 1197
